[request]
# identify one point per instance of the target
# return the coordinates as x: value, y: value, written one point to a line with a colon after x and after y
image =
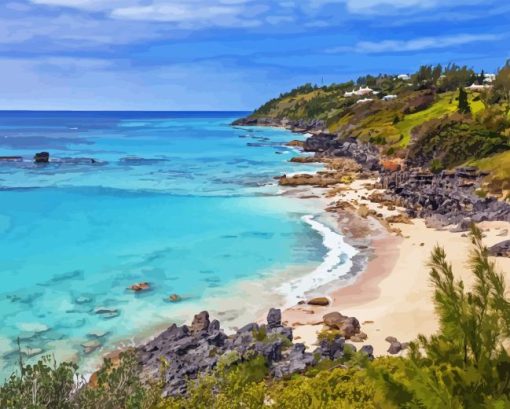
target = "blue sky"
x: 227, y: 54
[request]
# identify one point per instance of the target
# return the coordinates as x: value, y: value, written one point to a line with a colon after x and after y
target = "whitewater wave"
x: 336, y: 263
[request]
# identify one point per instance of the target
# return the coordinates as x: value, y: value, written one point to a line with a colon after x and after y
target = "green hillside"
x: 403, y: 115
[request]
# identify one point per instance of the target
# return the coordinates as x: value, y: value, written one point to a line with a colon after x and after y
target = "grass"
x: 446, y: 104
x: 499, y: 167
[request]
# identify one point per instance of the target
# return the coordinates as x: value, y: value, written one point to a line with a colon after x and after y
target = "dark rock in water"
x: 200, y: 322
x: 42, y: 157
x: 11, y: 159
x: 274, y: 318
x: 501, y: 249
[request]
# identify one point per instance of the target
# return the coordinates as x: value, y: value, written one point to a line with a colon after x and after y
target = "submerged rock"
x: 144, y: 286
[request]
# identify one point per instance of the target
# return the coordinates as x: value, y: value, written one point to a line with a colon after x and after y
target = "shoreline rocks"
x: 197, y: 349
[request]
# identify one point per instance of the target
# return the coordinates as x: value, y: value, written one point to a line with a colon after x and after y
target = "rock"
x: 248, y: 328
x: 42, y: 157
x: 390, y: 339
x: 320, y: 301
x: 200, y: 322
x: 361, y: 337
x: 90, y: 346
x: 395, y: 348
x: 98, y: 333
x: 295, y: 143
x: 368, y: 350
x: 501, y: 249
x: 274, y: 318
x: 106, y: 312
x: 192, y: 353
x: 11, y: 159
x: 334, y: 320
x: 399, y: 218
x: 175, y: 298
x: 144, y: 286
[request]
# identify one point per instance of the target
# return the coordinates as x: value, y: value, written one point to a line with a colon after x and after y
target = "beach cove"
x: 184, y: 202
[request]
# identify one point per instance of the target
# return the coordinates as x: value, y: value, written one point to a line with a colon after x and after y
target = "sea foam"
x: 336, y: 263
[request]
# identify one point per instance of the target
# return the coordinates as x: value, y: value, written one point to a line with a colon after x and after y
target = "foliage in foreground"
x: 465, y: 365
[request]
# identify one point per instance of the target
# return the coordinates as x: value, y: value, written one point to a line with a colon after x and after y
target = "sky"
x: 228, y: 54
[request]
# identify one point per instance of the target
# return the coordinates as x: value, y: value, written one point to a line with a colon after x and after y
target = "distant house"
x: 361, y: 92
x: 362, y: 101
x: 476, y: 87
x: 364, y: 91
x: 389, y: 97
x: 404, y: 77
x: 489, y: 78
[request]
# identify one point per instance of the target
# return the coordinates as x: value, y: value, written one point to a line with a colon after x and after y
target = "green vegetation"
x: 465, y: 365
x: 434, y: 93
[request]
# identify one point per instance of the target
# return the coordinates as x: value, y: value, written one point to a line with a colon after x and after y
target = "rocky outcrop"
x: 501, y: 249
x: 447, y: 198
x: 348, y: 326
x: 195, y: 350
x: 42, y: 157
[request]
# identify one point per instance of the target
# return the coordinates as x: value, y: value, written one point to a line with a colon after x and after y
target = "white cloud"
x: 417, y: 44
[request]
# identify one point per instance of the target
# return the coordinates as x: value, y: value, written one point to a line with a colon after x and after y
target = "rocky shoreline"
x: 449, y: 198
x: 197, y: 349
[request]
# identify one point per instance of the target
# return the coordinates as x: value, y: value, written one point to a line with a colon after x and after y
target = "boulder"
x: 320, y: 301
x: 395, y: 348
x: 42, y: 157
x: 274, y: 318
x: 334, y: 320
x: 501, y: 249
x: 200, y: 322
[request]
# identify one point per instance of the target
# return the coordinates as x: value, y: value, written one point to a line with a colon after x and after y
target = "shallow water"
x: 181, y: 200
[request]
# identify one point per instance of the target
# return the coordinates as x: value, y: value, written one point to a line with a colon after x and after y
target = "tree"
x: 502, y: 85
x: 466, y: 365
x: 464, y: 107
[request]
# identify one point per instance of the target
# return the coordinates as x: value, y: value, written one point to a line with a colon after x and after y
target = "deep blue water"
x: 179, y: 199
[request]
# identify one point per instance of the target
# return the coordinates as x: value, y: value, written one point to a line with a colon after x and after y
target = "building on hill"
x: 361, y: 92
x: 489, y: 78
x: 476, y: 87
x: 389, y: 97
x: 404, y: 77
x: 361, y: 101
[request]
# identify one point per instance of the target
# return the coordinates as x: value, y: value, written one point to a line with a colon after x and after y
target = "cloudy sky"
x: 227, y: 54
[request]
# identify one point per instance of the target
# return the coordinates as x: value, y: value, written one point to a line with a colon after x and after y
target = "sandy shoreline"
x: 392, y: 296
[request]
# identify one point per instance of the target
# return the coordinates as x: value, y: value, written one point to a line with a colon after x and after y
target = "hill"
x: 437, y: 118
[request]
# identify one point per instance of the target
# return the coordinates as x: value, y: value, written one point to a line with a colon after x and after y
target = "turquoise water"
x: 180, y: 200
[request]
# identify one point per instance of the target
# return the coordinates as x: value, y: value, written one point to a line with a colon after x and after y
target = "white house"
x: 489, y: 78
x: 389, y: 97
x: 361, y: 101
x: 404, y: 77
x: 364, y: 91
x: 476, y: 87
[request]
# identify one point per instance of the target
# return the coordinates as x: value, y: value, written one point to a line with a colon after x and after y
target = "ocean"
x: 181, y: 200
